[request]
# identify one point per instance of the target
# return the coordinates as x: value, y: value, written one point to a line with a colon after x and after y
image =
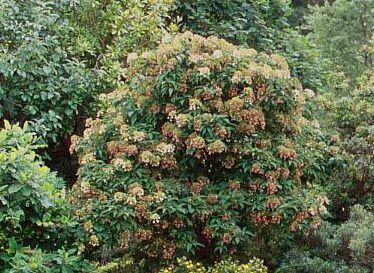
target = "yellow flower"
x: 94, y: 241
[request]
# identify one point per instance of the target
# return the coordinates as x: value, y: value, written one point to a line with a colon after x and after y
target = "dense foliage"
x: 254, y: 23
x: 263, y: 25
x: 346, y: 248
x: 109, y: 30
x: 351, y: 117
x: 35, y: 260
x: 204, y: 147
x: 33, y: 210
x: 182, y: 265
x: 28, y: 190
x: 42, y: 78
x: 252, y: 137
x: 57, y: 56
x: 343, y: 31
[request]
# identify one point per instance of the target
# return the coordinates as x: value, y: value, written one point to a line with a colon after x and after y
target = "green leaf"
x: 14, y: 188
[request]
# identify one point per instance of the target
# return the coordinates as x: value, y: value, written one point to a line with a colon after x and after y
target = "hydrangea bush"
x: 203, y: 147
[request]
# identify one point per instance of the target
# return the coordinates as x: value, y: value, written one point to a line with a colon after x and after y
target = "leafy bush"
x: 352, y: 117
x: 42, y: 78
x: 110, y: 30
x: 56, y: 56
x: 36, y: 261
x: 29, y: 193
x: 226, y: 266
x: 34, y: 214
x: 204, y: 146
x: 182, y: 265
x: 308, y: 64
x: 253, y: 23
x: 345, y: 248
x: 119, y: 265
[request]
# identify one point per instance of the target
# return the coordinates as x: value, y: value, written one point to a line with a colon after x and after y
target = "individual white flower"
x: 194, y: 104
x: 118, y: 197
x: 217, y: 54
x: 155, y: 218
x: 160, y: 196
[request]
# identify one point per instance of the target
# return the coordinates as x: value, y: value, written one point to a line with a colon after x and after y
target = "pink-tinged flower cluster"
x: 203, y: 132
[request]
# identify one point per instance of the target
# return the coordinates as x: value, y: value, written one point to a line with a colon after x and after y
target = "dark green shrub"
x: 203, y: 148
x: 56, y: 56
x: 343, y: 31
x: 348, y: 247
x: 34, y: 214
x: 257, y: 24
x: 42, y: 78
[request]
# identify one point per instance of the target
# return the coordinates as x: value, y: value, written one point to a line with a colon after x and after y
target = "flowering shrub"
x: 228, y: 266
x: 182, y: 265
x: 203, y: 147
x: 252, y: 266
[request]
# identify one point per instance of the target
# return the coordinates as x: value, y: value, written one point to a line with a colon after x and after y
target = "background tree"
x: 57, y: 56
x: 257, y: 24
x: 343, y: 31
x: 42, y: 78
